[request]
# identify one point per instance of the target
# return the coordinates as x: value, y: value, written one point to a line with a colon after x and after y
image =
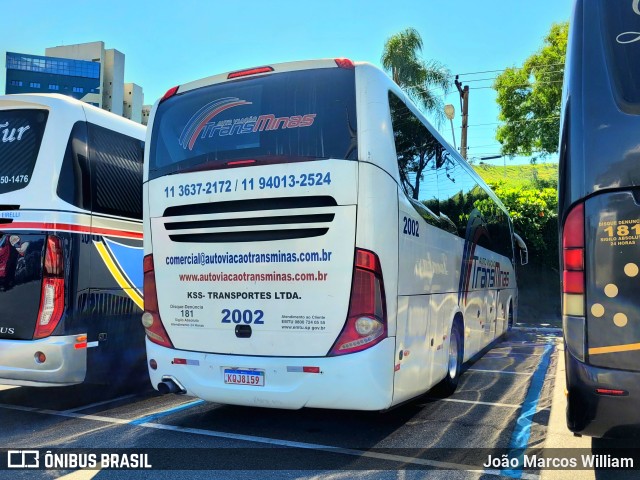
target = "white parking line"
x: 493, y: 354
x: 498, y: 371
x: 476, y: 402
x: 539, y: 329
x: 275, y: 441
x: 98, y: 404
x: 80, y: 475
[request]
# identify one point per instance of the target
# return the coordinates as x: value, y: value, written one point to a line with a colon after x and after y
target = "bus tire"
x: 454, y: 362
x: 510, y: 317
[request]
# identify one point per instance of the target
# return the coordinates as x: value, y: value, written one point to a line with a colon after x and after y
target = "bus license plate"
x: 253, y: 378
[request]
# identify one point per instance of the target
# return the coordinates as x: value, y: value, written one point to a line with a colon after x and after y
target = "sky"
x: 170, y: 43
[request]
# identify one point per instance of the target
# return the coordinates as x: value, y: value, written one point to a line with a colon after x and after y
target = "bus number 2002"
x: 243, y: 316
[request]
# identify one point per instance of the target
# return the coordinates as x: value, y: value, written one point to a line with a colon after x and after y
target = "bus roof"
x: 269, y: 69
x: 59, y: 101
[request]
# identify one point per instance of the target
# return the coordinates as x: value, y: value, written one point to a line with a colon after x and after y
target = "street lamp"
x: 450, y: 112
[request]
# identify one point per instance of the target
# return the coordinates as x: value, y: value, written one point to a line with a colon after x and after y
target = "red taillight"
x: 345, y: 63
x: 573, y: 279
x: 52, y: 292
x: 573, y: 259
x: 368, y: 261
x: 573, y: 282
x: 366, y: 323
x: 236, y: 163
x: 573, y: 231
x: 151, y: 317
x: 250, y: 71
x: 610, y: 391
x: 170, y: 93
x: 53, y: 258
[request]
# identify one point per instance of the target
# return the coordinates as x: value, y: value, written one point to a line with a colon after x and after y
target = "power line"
x: 495, y: 78
x: 443, y: 95
x: 508, y: 68
x: 553, y: 117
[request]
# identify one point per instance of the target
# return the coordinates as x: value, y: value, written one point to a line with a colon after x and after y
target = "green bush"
x: 534, y: 211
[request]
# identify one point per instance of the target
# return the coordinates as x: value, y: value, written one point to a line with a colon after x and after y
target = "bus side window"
x: 74, y: 183
x: 116, y: 162
x: 417, y: 152
x: 463, y: 200
x: 453, y: 188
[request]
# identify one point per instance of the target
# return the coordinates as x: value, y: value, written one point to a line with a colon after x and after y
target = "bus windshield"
x: 284, y: 117
x: 21, y: 133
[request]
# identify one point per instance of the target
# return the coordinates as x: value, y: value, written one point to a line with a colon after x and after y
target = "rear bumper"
x: 595, y: 415
x: 65, y: 365
x: 359, y: 381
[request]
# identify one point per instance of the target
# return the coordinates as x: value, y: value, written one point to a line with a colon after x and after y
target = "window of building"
x: 35, y: 63
x: 78, y: 90
x: 34, y: 85
x: 16, y: 83
x: 54, y: 87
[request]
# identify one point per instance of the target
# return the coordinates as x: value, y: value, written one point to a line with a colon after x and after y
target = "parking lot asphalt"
x: 509, y: 399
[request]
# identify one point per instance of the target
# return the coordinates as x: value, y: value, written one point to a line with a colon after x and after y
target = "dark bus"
x: 599, y: 215
x: 70, y: 244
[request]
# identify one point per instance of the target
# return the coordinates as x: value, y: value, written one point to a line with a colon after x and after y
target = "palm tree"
x: 414, y: 75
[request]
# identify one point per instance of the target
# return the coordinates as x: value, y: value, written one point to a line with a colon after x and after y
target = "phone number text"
x: 249, y: 184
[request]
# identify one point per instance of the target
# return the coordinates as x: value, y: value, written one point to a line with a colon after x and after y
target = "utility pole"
x: 464, y: 106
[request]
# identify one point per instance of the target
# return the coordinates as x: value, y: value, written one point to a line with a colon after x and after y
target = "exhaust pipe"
x: 170, y: 385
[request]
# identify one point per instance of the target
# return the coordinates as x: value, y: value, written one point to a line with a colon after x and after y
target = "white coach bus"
x: 311, y: 241
x: 70, y: 243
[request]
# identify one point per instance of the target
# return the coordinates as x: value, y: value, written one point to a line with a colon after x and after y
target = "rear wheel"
x: 454, y: 362
x: 510, y: 321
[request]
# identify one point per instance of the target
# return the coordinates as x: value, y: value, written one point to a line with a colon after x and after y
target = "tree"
x: 530, y: 99
x: 414, y: 75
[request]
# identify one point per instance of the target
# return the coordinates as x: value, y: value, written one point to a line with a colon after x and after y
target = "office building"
x: 85, y: 71
x: 38, y: 74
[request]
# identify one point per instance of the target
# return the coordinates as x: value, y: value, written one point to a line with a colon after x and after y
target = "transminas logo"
x: 203, y: 123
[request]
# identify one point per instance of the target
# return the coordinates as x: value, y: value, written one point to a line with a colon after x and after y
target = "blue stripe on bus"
x: 522, y: 432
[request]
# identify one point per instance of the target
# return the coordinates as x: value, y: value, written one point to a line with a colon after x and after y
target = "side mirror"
x: 522, y: 247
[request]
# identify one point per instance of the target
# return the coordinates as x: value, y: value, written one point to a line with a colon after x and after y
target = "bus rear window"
x: 622, y: 37
x: 21, y: 133
x: 284, y: 117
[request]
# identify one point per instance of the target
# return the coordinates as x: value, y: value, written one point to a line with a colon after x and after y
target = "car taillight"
x: 151, y: 316
x: 52, y: 292
x: 573, y: 262
x: 366, y: 323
